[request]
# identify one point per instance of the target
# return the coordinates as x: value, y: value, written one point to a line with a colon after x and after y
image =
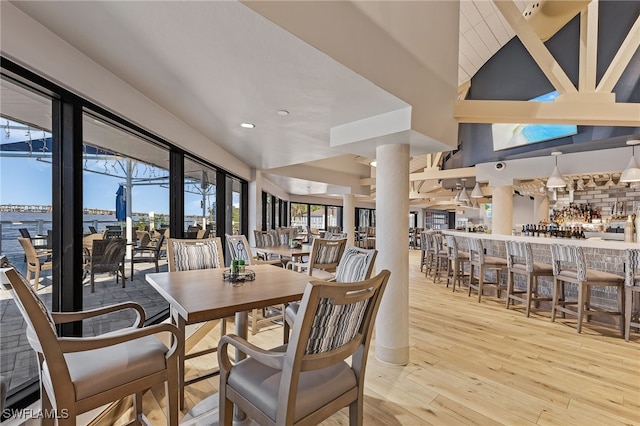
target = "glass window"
x: 25, y: 198
x: 199, y: 198
x: 318, y: 215
x: 334, y: 216
x: 269, y: 211
x: 299, y: 214
x: 125, y: 190
x: 276, y: 209
x: 233, y: 206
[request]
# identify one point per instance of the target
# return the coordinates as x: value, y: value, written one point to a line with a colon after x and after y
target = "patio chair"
x: 240, y: 250
x: 356, y: 264
x: 106, y: 256
x: 24, y: 233
x: 80, y: 374
x: 37, y: 260
x: 319, y: 372
x: 147, y: 254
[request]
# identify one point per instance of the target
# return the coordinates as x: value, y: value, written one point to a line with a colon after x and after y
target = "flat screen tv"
x: 510, y: 135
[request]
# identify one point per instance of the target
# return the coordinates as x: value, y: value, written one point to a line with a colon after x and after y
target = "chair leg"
x: 509, y: 287
x: 470, y: 278
x: 621, y: 307
x: 36, y: 281
x: 137, y: 407
x: 157, y: 267
x: 123, y: 278
x: 582, y: 294
x: 132, y: 262
x: 356, y: 413
x: 93, y: 288
x: 254, y: 321
x: 628, y: 311
x: 172, y: 390
x: 46, y: 406
x: 480, y: 283
x: 225, y: 406
x: 554, y: 302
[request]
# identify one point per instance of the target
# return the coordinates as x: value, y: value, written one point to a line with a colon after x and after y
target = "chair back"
x: 476, y: 251
x: 568, y: 257
x: 259, y: 236
x: 284, y: 235
x: 325, y: 254
x: 335, y: 322
x: 190, y: 254
x: 334, y: 229
x: 92, y: 229
x: 239, y: 248
x: 436, y: 242
x: 143, y: 237
x: 24, y: 233
x: 425, y: 241
x: 334, y: 235
x: 631, y: 267
x: 29, y: 250
x: 452, y: 247
x: 519, y: 253
x: 356, y: 264
x: 107, y: 255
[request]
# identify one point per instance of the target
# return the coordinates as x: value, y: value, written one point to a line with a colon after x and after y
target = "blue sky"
x: 28, y: 181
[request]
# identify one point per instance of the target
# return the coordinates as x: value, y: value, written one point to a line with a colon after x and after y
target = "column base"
x: 392, y: 356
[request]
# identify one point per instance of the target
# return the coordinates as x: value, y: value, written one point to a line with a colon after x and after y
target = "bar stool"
x: 440, y: 255
x: 455, y: 262
x: 631, y: 290
x: 429, y: 252
x: 478, y: 260
x: 520, y: 261
x: 569, y: 266
x: 424, y: 236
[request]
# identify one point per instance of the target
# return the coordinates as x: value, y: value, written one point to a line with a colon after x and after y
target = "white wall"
x: 522, y: 211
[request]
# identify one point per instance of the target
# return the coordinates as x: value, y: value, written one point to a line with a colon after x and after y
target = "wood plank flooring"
x: 478, y: 363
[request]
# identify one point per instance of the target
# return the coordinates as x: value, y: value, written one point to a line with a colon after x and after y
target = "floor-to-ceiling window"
x: 234, y: 207
x: 318, y: 216
x: 299, y: 214
x: 199, y: 198
x: 26, y: 147
x: 334, y: 216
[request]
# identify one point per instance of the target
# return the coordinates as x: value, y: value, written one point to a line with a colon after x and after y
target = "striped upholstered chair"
x: 520, y: 262
x: 239, y: 249
x: 631, y: 290
x: 356, y: 264
x: 319, y: 372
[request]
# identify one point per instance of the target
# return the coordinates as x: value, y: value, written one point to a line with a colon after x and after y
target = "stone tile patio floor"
x: 17, y: 359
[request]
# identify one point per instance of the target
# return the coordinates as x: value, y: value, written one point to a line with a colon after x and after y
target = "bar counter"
x: 602, y: 255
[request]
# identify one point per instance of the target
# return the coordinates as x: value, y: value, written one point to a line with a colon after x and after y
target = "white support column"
x: 540, y: 208
x: 349, y: 217
x: 255, y: 204
x: 502, y: 210
x: 392, y: 205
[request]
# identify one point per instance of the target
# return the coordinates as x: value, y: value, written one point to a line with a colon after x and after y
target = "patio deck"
x: 17, y: 359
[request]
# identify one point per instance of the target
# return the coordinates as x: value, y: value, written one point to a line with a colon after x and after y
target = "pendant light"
x: 464, y: 197
x: 477, y: 192
x: 632, y: 172
x: 556, y: 180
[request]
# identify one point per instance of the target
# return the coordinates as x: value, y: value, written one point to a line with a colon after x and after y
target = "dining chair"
x: 441, y: 255
x: 147, y: 254
x: 569, y: 266
x: 631, y: 290
x: 356, y: 264
x: 520, y: 262
x: 81, y: 374
x: 323, y: 259
x: 319, y: 372
x: 37, y: 260
x: 239, y: 249
x: 106, y: 256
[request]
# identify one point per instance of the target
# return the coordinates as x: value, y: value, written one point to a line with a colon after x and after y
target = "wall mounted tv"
x: 510, y: 135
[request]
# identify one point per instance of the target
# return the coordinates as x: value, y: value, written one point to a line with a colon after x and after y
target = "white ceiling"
x: 217, y: 64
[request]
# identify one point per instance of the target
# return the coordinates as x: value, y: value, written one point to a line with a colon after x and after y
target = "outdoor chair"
x: 81, y: 374
x: 147, y: 254
x: 239, y: 249
x: 319, y: 372
x: 37, y: 260
x: 106, y: 256
x: 92, y: 229
x: 356, y: 264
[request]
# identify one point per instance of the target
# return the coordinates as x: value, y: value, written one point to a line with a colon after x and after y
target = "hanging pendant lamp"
x: 631, y: 173
x: 556, y: 180
x: 477, y: 192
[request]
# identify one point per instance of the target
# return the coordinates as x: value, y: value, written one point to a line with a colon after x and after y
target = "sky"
x: 28, y: 181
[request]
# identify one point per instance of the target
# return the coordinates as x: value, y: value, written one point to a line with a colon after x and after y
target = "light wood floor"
x: 481, y: 364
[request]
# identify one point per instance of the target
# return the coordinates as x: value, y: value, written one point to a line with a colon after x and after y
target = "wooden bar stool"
x: 480, y: 262
x: 520, y: 261
x: 430, y: 255
x: 455, y: 262
x: 424, y: 236
x: 631, y: 291
x: 441, y: 255
x: 569, y: 267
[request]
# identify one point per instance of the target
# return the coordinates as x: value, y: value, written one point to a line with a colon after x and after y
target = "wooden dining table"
x: 203, y: 295
x: 285, y: 251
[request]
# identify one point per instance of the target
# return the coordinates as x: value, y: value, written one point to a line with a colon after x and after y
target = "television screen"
x: 510, y: 135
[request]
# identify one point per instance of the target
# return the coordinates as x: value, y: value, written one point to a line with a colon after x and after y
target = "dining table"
x: 285, y: 251
x: 198, y: 296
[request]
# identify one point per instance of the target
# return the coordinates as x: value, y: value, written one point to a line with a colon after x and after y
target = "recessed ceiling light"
x: 283, y: 112
x: 247, y: 125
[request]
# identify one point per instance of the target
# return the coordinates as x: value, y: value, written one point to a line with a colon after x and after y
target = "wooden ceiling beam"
x: 621, y: 60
